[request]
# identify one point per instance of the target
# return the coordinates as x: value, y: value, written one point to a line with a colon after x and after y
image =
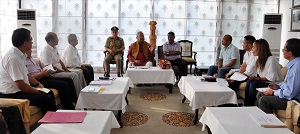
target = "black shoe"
x: 106, y: 75
x: 119, y: 75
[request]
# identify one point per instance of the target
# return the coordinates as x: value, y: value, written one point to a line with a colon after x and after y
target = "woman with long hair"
x: 268, y: 70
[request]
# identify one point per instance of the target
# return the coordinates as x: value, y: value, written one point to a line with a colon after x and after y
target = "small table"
x: 236, y: 120
x: 95, y: 122
x: 114, y: 97
x: 152, y: 75
x: 202, y: 93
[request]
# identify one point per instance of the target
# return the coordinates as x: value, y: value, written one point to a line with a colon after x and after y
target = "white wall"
x: 285, y: 6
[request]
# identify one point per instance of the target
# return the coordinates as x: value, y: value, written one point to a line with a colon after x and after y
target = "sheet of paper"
x: 267, y: 120
x: 262, y: 89
x: 222, y: 82
x: 101, y: 82
x: 46, y: 90
x: 234, y: 70
x: 238, y: 76
x: 49, y: 68
x: 63, y: 117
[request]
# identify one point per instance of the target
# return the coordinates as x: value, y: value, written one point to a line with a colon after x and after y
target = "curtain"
x: 8, y: 23
x: 204, y: 22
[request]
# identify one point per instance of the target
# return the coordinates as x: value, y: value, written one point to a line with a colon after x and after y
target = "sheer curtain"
x: 8, y: 23
x: 204, y: 22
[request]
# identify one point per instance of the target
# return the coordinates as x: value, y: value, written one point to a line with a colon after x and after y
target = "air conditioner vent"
x: 272, y: 19
x: 26, y: 15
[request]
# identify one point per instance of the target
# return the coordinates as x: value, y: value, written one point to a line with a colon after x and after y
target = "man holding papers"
x: 246, y: 68
x: 277, y: 96
x: 14, y: 76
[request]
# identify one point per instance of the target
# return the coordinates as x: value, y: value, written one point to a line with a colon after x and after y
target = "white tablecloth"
x: 236, y: 120
x: 95, y: 122
x: 113, y: 97
x: 151, y: 75
x: 201, y: 93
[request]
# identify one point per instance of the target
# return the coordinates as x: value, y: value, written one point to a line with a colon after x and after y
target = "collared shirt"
x: 33, y: 67
x: 49, y: 55
x: 230, y: 53
x: 167, y: 47
x: 250, y: 61
x: 272, y: 70
x: 114, y: 43
x: 70, y: 57
x: 12, y: 69
x: 290, y: 88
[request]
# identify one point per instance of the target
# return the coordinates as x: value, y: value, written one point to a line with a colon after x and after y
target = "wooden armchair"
x: 187, y: 53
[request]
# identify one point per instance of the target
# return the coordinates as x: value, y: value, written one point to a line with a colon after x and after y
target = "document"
x: 49, y: 68
x: 222, y: 82
x: 268, y: 120
x: 101, y: 82
x: 262, y: 89
x: 95, y: 90
x: 45, y: 90
x: 63, y: 117
x: 238, y: 76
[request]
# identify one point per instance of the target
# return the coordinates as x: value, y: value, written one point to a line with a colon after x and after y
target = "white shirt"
x: 250, y: 61
x: 272, y: 70
x: 13, y: 68
x: 49, y: 55
x: 70, y: 57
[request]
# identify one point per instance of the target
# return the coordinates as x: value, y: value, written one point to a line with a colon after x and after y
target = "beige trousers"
x: 108, y: 58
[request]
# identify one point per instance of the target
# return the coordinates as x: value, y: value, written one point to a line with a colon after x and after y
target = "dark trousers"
x: 42, y: 100
x: 250, y: 91
x: 88, y: 73
x: 13, y: 119
x: 221, y: 72
x: 270, y: 103
x: 181, y: 65
x: 63, y: 90
x: 235, y: 85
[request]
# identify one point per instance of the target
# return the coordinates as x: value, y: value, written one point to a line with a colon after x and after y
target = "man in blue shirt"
x: 229, y: 58
x: 277, y: 96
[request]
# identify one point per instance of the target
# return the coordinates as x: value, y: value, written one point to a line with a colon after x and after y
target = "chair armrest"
x: 23, y: 105
x: 86, y: 64
x: 195, y: 53
x: 105, y: 52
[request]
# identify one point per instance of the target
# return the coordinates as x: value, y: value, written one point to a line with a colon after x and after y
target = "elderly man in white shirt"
x: 14, y: 79
x: 49, y: 55
x: 71, y: 59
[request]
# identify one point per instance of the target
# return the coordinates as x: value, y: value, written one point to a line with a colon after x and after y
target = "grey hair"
x: 71, y: 37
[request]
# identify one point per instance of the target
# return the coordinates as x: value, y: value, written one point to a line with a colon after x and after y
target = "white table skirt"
x: 151, y: 75
x: 113, y: 97
x: 95, y: 122
x: 201, y: 93
x: 236, y: 120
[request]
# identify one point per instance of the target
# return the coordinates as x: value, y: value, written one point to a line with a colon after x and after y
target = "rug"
x: 134, y: 118
x: 179, y: 119
x: 153, y: 96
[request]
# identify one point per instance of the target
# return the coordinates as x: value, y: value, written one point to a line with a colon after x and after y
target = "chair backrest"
x: 160, y: 52
x: 242, y: 52
x: 186, y: 48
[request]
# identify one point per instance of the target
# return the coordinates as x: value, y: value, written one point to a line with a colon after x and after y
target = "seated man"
x: 229, y: 58
x: 171, y: 51
x: 115, y: 47
x: 140, y: 52
x: 277, y: 96
x: 44, y: 77
x: 49, y: 55
x: 249, y: 60
x: 14, y: 76
x: 71, y: 59
x: 11, y: 118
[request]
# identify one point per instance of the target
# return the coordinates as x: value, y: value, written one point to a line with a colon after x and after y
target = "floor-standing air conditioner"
x: 272, y: 32
x: 26, y: 19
